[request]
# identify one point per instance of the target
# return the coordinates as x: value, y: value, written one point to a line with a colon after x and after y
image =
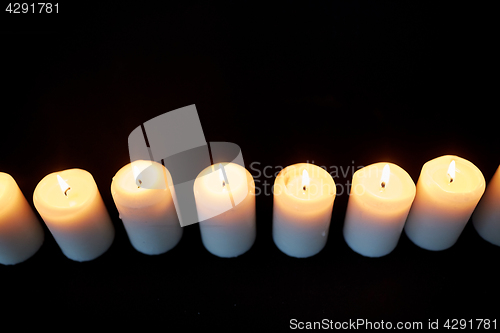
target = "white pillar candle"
x: 303, y: 201
x: 486, y: 217
x: 72, y: 208
x: 144, y: 201
x: 448, y: 190
x: 225, y: 202
x: 379, y: 202
x: 21, y: 234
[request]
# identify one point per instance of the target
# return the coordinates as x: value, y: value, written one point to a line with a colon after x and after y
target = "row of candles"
x: 383, y: 201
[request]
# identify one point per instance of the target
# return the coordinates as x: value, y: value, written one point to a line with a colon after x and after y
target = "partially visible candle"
x: 379, y: 202
x: 146, y: 208
x: 486, y: 217
x: 225, y: 202
x: 21, y: 234
x: 448, y: 190
x: 72, y: 208
x: 303, y: 201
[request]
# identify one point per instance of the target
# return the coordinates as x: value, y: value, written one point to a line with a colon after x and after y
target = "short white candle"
x: 141, y: 195
x: 303, y: 201
x: 21, y: 234
x: 225, y: 202
x: 72, y: 208
x: 448, y: 190
x: 486, y: 217
x: 379, y: 202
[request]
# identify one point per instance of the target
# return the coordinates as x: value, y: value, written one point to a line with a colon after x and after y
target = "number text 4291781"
x: 33, y: 8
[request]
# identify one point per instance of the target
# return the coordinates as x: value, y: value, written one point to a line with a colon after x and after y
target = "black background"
x: 352, y: 83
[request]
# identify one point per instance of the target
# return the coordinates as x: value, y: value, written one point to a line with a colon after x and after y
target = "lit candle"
x: 448, y: 190
x: 303, y: 201
x: 145, y: 204
x: 379, y: 202
x: 72, y: 208
x: 225, y: 202
x: 21, y: 234
x: 486, y: 217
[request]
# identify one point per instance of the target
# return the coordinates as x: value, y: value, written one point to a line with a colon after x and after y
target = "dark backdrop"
x: 352, y: 83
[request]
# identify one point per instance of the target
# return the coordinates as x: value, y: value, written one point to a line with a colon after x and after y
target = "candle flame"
x: 451, y: 170
x: 305, y: 179
x: 64, y: 186
x: 386, y: 174
x: 221, y: 175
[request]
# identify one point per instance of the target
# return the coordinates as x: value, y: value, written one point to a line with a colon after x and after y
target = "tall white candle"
x: 448, y: 190
x: 72, y: 208
x: 486, y: 217
x: 145, y: 204
x: 21, y: 234
x: 303, y: 201
x: 225, y: 202
x: 379, y: 202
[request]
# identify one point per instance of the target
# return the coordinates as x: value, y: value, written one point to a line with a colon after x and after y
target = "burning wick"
x: 221, y: 176
x: 305, y: 180
x: 64, y: 186
x: 384, y: 180
x: 451, y: 171
x: 136, y: 172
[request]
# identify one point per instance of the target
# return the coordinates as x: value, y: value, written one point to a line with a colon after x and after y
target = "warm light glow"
x: 305, y: 180
x: 221, y: 175
x: 386, y: 173
x: 64, y: 186
x: 451, y: 170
